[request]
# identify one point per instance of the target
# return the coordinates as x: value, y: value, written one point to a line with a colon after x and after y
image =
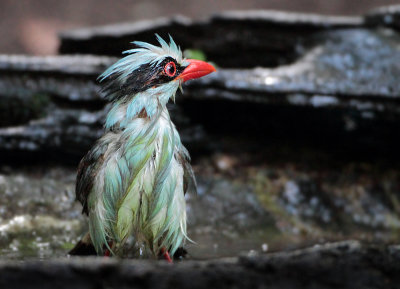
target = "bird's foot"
x: 107, y: 252
x: 166, y: 255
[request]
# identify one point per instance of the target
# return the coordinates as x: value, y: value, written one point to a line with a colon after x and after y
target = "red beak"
x: 196, y: 69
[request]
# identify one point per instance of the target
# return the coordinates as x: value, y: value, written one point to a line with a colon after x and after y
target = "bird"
x: 133, y: 181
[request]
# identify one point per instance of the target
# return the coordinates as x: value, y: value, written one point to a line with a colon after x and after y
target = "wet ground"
x: 243, y: 206
x: 40, y: 218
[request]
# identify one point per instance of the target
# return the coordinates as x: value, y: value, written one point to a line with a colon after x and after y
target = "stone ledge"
x: 347, y: 264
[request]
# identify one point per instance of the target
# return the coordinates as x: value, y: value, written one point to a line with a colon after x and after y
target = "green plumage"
x: 133, y: 181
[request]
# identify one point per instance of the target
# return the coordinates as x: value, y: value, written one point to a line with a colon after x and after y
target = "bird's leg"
x: 166, y: 255
x: 107, y: 252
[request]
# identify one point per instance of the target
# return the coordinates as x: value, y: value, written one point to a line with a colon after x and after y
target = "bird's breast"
x: 155, y: 176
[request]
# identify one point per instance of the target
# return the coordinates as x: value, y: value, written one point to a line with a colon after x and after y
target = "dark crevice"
x: 256, y: 128
x: 89, y: 105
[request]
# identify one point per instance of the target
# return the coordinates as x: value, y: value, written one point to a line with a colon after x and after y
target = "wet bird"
x: 134, y: 179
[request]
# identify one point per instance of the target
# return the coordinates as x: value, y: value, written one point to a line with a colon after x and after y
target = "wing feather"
x: 87, y: 171
x: 189, y: 179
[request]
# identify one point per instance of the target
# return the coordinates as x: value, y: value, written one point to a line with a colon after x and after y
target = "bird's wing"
x: 189, y: 180
x: 87, y: 171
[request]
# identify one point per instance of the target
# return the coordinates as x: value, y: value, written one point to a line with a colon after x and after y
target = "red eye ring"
x: 170, y: 69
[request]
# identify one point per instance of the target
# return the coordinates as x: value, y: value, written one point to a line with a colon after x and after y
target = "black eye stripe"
x: 146, y: 76
x: 178, y: 68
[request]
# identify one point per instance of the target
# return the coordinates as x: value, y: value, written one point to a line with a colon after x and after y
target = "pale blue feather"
x: 139, y: 186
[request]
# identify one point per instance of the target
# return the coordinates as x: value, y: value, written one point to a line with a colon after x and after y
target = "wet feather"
x: 134, y: 179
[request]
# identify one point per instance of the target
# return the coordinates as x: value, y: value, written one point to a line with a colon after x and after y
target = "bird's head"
x: 150, y: 71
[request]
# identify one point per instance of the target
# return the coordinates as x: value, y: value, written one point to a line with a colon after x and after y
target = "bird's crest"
x: 145, y: 54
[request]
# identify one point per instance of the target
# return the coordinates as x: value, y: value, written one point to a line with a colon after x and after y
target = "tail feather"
x: 84, y: 247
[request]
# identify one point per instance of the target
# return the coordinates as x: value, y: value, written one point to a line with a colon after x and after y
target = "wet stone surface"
x: 388, y: 16
x: 260, y: 38
x: 39, y: 217
x: 232, y: 212
x: 336, y: 265
x: 345, y: 66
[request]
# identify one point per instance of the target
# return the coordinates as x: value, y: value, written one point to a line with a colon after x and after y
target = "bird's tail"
x: 84, y: 247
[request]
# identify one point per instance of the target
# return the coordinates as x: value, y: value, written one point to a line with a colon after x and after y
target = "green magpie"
x: 133, y: 181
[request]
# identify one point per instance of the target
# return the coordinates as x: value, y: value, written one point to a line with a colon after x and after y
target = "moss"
x: 38, y: 104
x: 267, y: 189
x: 27, y: 247
x: 67, y: 246
x: 195, y: 54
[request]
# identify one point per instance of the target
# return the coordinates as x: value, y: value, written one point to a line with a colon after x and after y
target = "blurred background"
x: 294, y: 141
x: 31, y: 27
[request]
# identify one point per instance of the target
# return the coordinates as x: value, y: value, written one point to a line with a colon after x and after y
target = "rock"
x: 336, y: 265
x: 333, y: 64
x: 347, y: 69
x: 39, y: 216
x: 318, y: 197
x: 53, y: 104
x: 282, y: 204
x: 71, y: 78
x: 344, y: 65
x: 59, y: 65
x: 386, y: 16
x: 260, y: 38
x: 281, y: 18
x: 113, y: 39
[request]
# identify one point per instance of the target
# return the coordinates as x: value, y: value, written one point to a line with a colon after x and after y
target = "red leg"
x: 107, y: 252
x: 166, y: 255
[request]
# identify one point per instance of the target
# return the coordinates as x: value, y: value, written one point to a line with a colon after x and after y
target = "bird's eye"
x: 170, y: 69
